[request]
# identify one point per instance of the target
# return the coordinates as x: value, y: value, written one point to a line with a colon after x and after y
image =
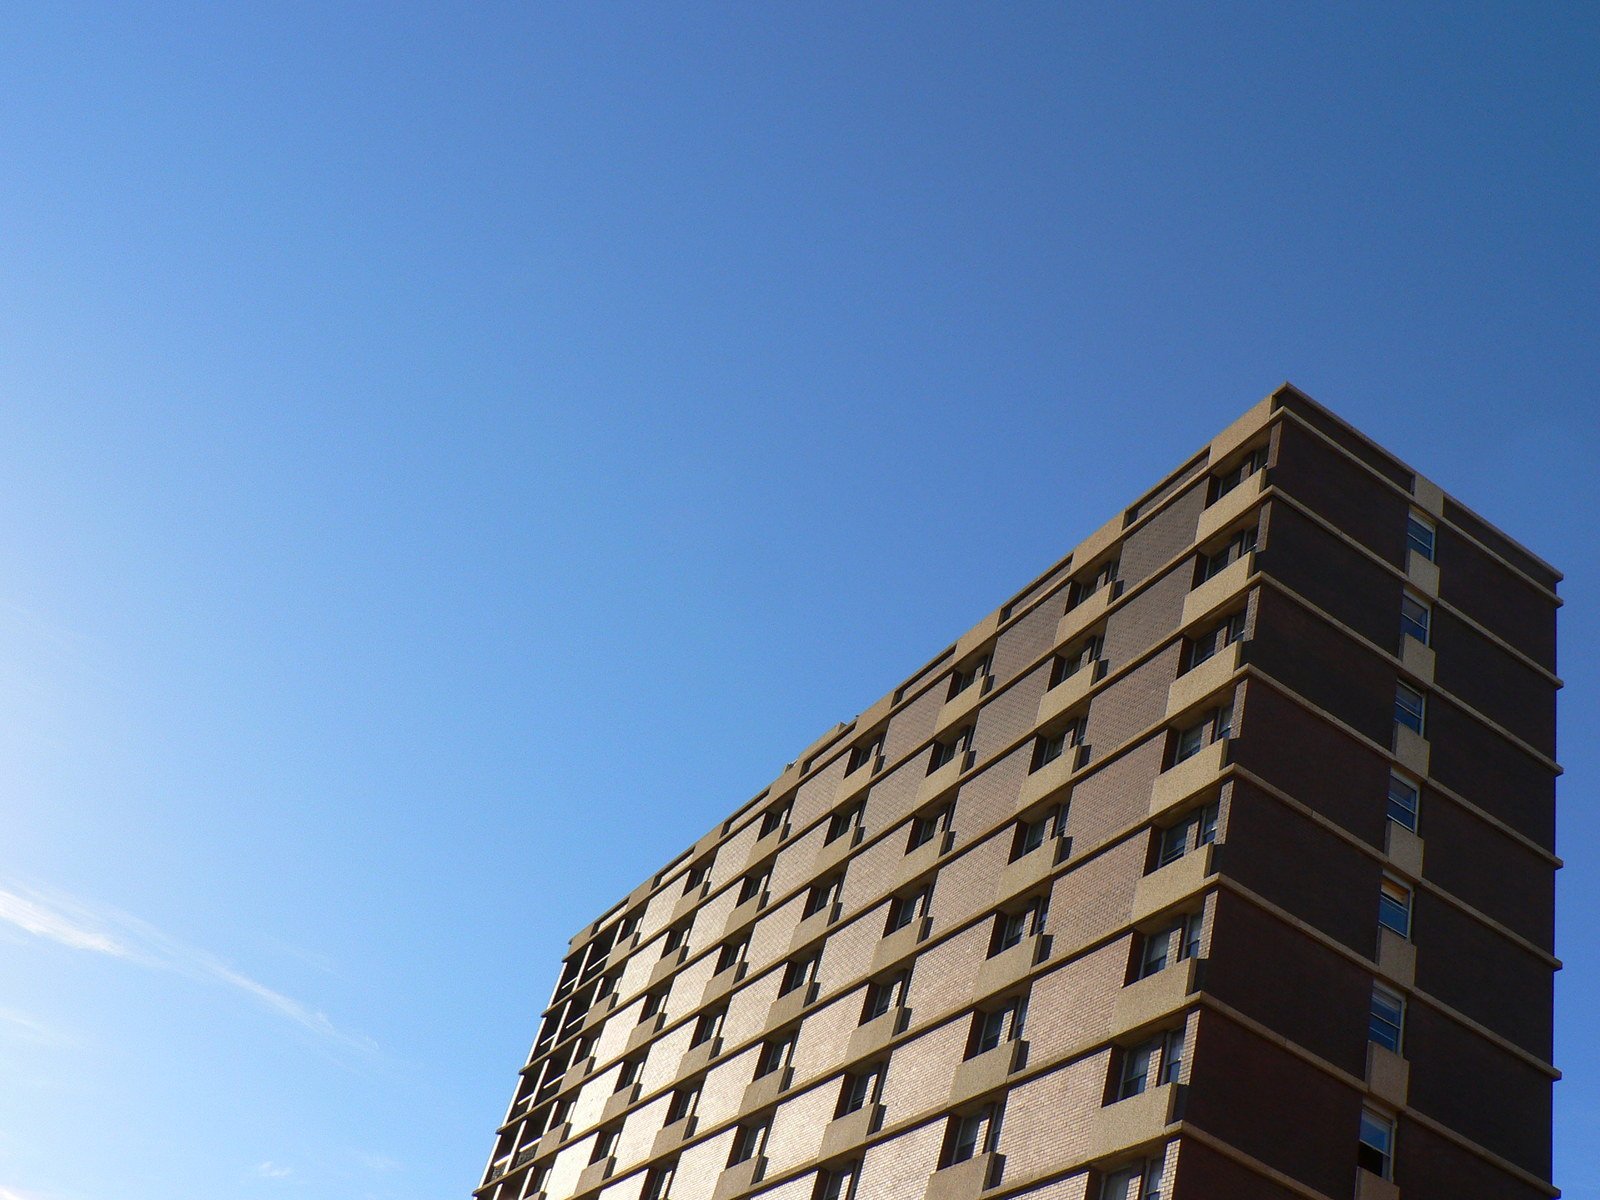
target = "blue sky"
x: 435, y: 433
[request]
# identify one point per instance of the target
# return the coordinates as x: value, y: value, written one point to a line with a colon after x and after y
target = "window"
x: 823, y: 894
x: 1388, y: 1018
x: 696, y: 877
x: 652, y: 1004
x: 837, y: 1183
x: 605, y: 1143
x: 677, y: 937
x: 800, y: 972
x: 749, y: 1141
x: 1048, y: 747
x: 1151, y: 1063
x: 1236, y: 547
x: 1197, y: 829
x: 1225, y: 481
x: 732, y: 954
x: 845, y: 821
x: 868, y: 750
x: 905, y: 909
x: 1218, y: 637
x: 884, y: 994
x: 930, y: 825
x: 957, y: 745
x: 775, y: 820
x: 993, y: 1026
x: 1011, y: 927
x: 1086, y: 654
x: 1419, y: 535
x: 776, y: 1054
x: 708, y: 1025
x: 754, y: 885
x: 1403, y: 802
x: 1171, y: 943
x: 1394, y: 906
x: 970, y: 1135
x: 1142, y: 1181
x: 1215, y: 726
x: 1087, y: 585
x: 628, y: 1073
x: 1410, y: 707
x: 1416, y: 618
x: 683, y: 1103
x: 658, y: 1183
x: 1031, y: 834
x: 1375, y: 1148
x: 859, y: 1090
x: 964, y: 677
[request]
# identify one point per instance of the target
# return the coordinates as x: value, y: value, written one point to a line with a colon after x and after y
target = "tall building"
x: 1215, y: 864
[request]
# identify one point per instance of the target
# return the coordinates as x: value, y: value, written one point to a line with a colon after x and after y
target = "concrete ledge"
x: 875, y: 1035
x: 667, y: 965
x: 1192, y: 687
x: 1417, y: 659
x: 1222, y: 587
x: 1192, y: 776
x: 1428, y: 495
x: 645, y: 1030
x: 723, y: 982
x: 813, y: 928
x: 1241, y: 431
x: 853, y: 784
x: 963, y: 703
x: 1070, y: 691
x: 1145, y: 1001
x: 985, y: 1073
x: 594, y: 1175
x: 1089, y: 610
x: 1422, y: 574
x: 944, y: 779
x: 847, y: 1132
x: 1170, y: 885
x: 1010, y: 965
x: 791, y: 1006
x: 1050, y: 779
x: 1031, y: 869
x: 766, y: 1091
x: 698, y: 1058
x: 618, y: 1102
x: 1235, y: 504
x: 924, y: 858
x: 1370, y: 1187
x: 552, y: 1138
x: 1388, y: 1075
x: 742, y: 914
x: 576, y: 1073
x: 688, y: 902
x: 963, y: 1180
x: 1397, y: 958
x: 1137, y: 1121
x: 900, y: 945
x: 670, y: 1137
x: 1404, y: 849
x: 739, y: 1179
x: 1412, y: 749
x: 831, y: 854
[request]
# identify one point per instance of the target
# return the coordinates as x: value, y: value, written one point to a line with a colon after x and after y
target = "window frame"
x: 1408, y: 804
x: 1422, y: 535
x: 1396, y: 897
x: 1387, y: 1015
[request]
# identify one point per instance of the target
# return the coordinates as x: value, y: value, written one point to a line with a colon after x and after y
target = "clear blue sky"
x: 434, y: 433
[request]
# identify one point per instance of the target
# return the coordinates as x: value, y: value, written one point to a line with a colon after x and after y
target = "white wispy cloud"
x: 106, y: 931
x: 267, y: 1170
x: 30, y: 1029
x: 7, y: 1193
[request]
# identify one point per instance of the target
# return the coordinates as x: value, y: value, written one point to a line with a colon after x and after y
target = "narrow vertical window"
x: 1416, y: 618
x: 1388, y: 1018
x: 1394, y: 907
x: 1410, y: 707
x: 1420, y: 535
x: 1403, y: 802
x: 1375, y: 1148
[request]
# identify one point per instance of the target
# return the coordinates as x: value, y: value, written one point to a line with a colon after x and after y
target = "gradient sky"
x: 435, y: 435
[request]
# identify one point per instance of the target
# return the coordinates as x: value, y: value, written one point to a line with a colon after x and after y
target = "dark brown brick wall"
x: 1203, y: 1174
x: 1478, y: 764
x: 1482, y: 974
x: 1496, y: 597
x: 1330, y: 573
x: 1385, y: 464
x: 1314, y: 473
x: 1500, y: 686
x: 1430, y: 1167
x: 1483, y: 867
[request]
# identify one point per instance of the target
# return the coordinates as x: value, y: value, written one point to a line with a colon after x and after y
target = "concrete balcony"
x: 1217, y: 591
x: 1069, y: 693
x: 1422, y: 573
x: 986, y: 1072
x: 1052, y: 779
x: 851, y: 786
x: 550, y: 1141
x: 1397, y: 958
x: 1146, y: 1001
x: 594, y: 1176
x: 766, y: 1091
x: 619, y: 1102
x: 873, y: 1037
x: 900, y: 945
x: 923, y: 859
x: 672, y: 1136
x: 576, y: 1073
x: 964, y: 1180
x: 831, y: 854
x: 1032, y: 869
x: 1404, y: 849
x: 843, y: 1134
x: 1412, y: 749
x: 1172, y: 884
x: 723, y: 982
x: 962, y: 703
x: 1388, y: 1075
x: 1417, y: 659
x: 944, y: 780
x: 668, y: 963
x: 697, y: 1058
x: 688, y: 902
x: 740, y: 1179
x: 1089, y: 610
x: 1137, y: 1121
x: 791, y: 1006
x: 1371, y: 1187
x: 644, y: 1031
x: 1231, y: 507
x: 814, y: 928
x: 1010, y: 966
x: 744, y: 912
x: 1195, y: 774
x: 1199, y: 684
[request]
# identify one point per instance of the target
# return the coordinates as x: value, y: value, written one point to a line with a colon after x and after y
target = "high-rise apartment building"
x: 1216, y: 864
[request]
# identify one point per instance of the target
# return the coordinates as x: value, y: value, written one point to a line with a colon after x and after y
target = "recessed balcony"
x: 843, y: 1134
x: 964, y: 1180
x: 1067, y: 694
x: 1229, y: 508
x: 1087, y: 611
x: 901, y: 944
x: 1010, y: 966
x: 1146, y: 1001
x: 1169, y: 885
x: 1200, y: 771
x: 986, y: 1072
x: 1198, y: 684
x: 1217, y: 591
x: 1137, y: 1121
